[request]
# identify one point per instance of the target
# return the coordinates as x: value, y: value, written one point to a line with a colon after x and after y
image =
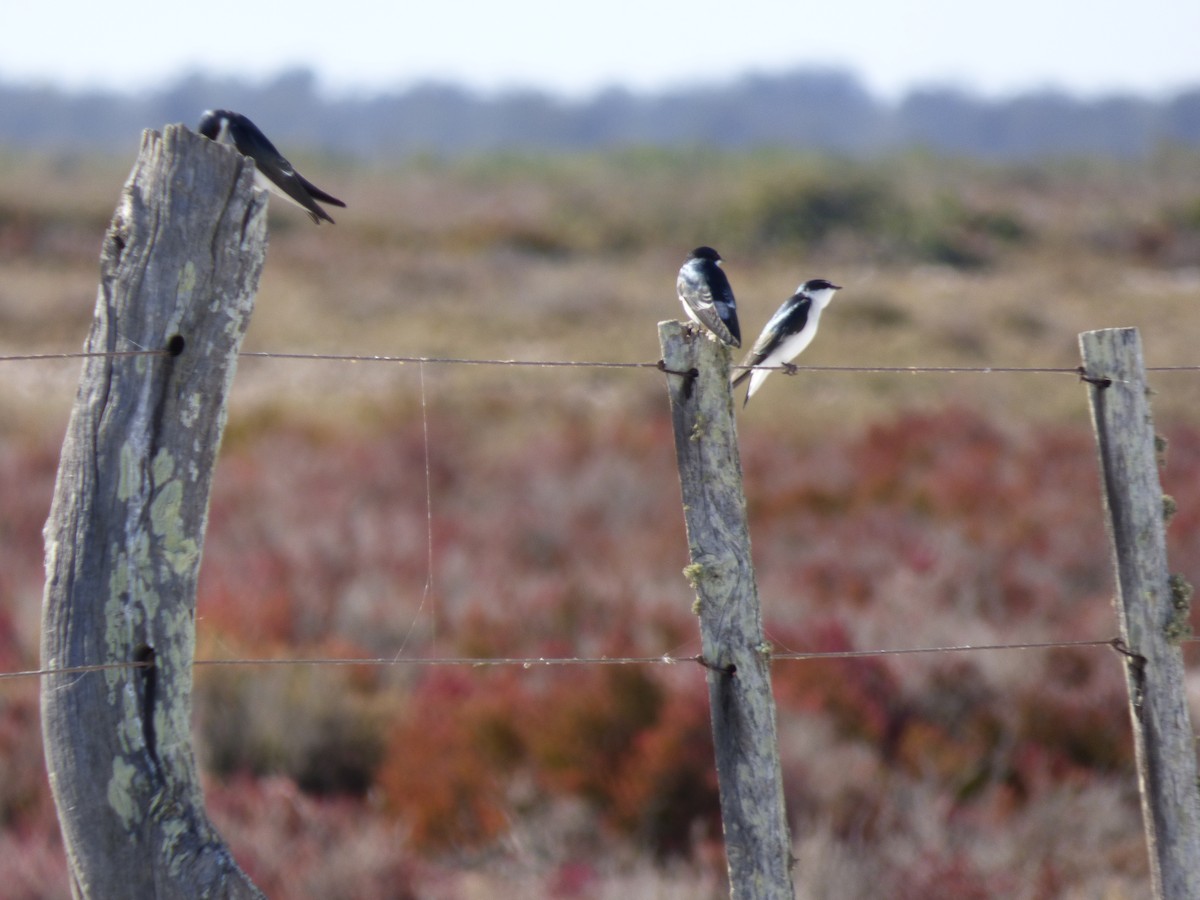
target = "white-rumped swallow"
x: 789, y: 331
x: 273, y: 171
x: 706, y: 295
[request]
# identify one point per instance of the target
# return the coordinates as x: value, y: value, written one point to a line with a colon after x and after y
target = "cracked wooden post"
x: 737, y: 658
x: 1152, y: 607
x: 178, y: 272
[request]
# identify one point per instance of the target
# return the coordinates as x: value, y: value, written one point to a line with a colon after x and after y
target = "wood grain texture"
x: 757, y: 844
x: 1147, y: 608
x: 180, y: 262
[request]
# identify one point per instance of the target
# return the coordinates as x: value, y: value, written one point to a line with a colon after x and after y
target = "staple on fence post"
x: 179, y: 270
x: 737, y: 659
x: 1114, y: 371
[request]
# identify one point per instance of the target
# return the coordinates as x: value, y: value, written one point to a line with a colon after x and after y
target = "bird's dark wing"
x: 705, y: 289
x: 318, y: 193
x: 281, y: 174
x: 724, y: 304
x: 274, y: 166
x: 789, y: 319
x: 696, y: 296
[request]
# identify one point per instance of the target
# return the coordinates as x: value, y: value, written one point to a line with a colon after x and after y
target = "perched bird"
x: 706, y: 295
x: 789, y: 331
x: 274, y: 172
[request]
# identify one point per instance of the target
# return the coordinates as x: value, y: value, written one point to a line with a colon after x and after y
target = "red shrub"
x: 475, y: 750
x: 451, y: 756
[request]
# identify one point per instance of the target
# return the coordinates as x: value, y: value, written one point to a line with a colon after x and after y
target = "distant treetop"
x: 818, y: 110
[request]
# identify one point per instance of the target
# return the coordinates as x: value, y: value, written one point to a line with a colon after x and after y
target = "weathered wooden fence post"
x: 757, y: 845
x: 179, y: 269
x: 1152, y: 617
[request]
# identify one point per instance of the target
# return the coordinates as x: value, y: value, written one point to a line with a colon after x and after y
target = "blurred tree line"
x: 812, y: 110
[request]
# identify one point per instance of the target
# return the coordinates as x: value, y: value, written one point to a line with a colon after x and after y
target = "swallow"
x: 707, y: 297
x: 788, y: 333
x: 272, y: 170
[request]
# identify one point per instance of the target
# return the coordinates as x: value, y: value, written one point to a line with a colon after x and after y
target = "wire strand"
x: 958, y: 648
x: 74, y: 670
x: 589, y: 364
x: 81, y: 354
x: 450, y: 360
x: 584, y: 364
x: 529, y: 662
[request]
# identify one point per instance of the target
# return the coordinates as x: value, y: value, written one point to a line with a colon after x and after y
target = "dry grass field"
x: 886, y: 511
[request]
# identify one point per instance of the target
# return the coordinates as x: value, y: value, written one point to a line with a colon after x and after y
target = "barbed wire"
x: 530, y: 662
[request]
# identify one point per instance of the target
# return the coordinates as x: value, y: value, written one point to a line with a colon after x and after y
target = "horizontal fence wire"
x: 532, y: 662
x: 587, y: 364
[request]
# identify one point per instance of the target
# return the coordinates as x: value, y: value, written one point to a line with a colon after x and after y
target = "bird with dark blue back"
x: 788, y: 332
x: 707, y: 297
x: 273, y: 172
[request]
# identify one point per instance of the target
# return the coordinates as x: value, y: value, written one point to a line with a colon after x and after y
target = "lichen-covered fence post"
x: 179, y: 270
x: 1152, y: 608
x: 736, y: 656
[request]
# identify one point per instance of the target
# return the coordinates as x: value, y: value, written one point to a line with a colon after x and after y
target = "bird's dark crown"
x: 705, y: 253
x: 210, y: 122
x: 819, y: 284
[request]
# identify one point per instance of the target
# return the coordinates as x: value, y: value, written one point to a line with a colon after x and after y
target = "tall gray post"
x: 1153, y: 616
x: 179, y: 270
x: 737, y: 657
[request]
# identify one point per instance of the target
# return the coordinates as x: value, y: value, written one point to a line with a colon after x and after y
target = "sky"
x: 1086, y: 47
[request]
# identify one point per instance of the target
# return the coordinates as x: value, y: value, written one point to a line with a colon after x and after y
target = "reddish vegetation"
x: 933, y: 775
